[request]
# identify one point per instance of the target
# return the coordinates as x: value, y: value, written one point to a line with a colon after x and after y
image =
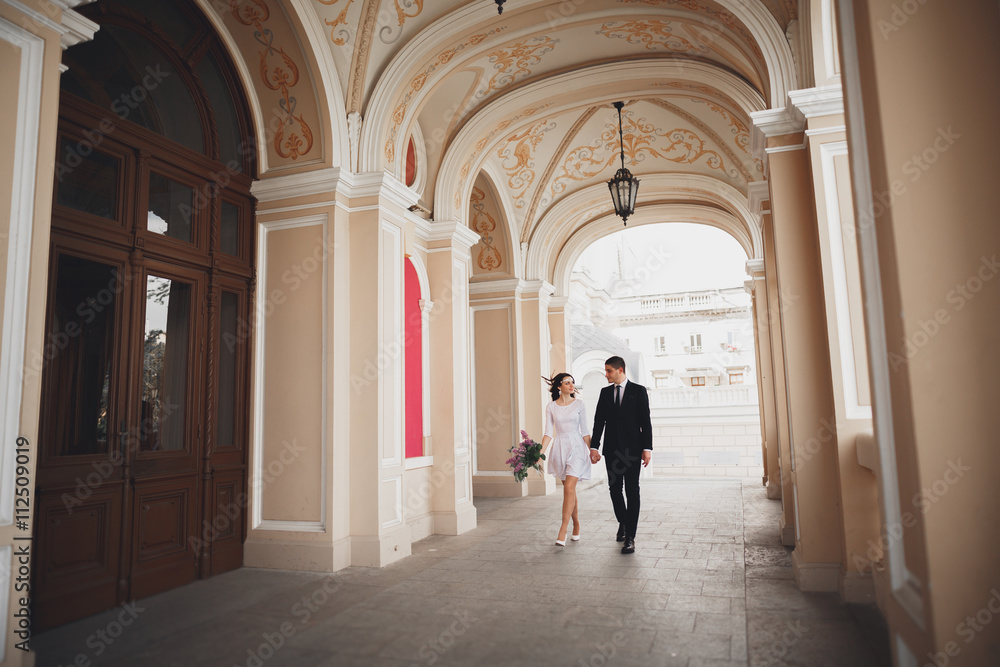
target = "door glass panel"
x: 170, y: 208
x: 86, y: 180
x: 165, y: 364
x: 229, y: 229
x: 129, y: 76
x: 226, y: 121
x: 229, y: 343
x: 79, y: 349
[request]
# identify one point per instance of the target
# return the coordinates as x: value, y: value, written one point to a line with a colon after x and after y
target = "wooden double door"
x: 141, y: 482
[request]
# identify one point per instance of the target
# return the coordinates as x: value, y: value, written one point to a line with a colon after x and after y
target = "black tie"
x: 618, y: 395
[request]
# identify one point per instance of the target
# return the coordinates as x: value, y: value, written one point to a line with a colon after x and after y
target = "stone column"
x: 31, y: 43
x: 534, y: 296
x: 812, y: 419
x: 775, y: 301
x: 449, y: 268
x: 827, y: 144
x: 560, y: 354
x: 762, y: 347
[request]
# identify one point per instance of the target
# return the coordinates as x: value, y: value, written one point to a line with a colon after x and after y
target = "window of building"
x: 733, y: 340
x: 736, y: 378
x: 698, y: 381
x: 660, y: 344
x: 695, y: 343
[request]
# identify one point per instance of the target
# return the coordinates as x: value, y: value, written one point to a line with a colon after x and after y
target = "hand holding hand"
x: 647, y: 456
x: 595, y: 456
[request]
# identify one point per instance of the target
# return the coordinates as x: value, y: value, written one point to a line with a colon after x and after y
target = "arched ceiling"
x: 526, y: 96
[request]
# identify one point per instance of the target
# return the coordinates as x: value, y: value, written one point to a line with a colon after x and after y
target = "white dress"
x: 568, y: 454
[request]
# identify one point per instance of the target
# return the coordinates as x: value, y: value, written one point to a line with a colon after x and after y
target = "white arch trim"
x: 566, y: 256
x: 711, y: 200
x: 614, y: 81
x: 316, y: 41
x: 246, y: 81
x: 478, y: 16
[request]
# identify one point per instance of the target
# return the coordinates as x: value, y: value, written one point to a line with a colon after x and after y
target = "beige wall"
x: 927, y: 202
x: 848, y: 362
x: 807, y: 368
x: 494, y: 388
x: 292, y: 409
x: 33, y: 267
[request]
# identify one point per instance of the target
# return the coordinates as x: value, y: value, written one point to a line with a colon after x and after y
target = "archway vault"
x: 585, y: 216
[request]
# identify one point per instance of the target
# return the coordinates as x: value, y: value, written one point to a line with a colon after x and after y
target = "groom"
x: 622, y: 415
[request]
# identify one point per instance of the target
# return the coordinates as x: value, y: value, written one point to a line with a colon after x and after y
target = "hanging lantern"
x: 624, y: 186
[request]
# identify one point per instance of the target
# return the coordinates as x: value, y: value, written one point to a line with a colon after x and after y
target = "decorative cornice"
x: 78, y: 29
x: 817, y: 102
x: 508, y: 285
x: 318, y: 181
x: 453, y: 232
x: 330, y: 180
x: 35, y: 16
x: 558, y: 302
x: 755, y: 268
x: 759, y: 196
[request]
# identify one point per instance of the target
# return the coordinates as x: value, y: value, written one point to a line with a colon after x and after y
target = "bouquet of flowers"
x: 526, y: 454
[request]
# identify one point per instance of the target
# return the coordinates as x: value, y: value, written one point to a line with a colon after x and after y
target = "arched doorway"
x: 144, y: 417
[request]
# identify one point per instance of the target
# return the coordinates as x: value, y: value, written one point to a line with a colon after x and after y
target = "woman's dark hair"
x: 555, y: 382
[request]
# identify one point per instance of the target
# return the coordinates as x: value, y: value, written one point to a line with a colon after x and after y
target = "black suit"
x: 627, y: 432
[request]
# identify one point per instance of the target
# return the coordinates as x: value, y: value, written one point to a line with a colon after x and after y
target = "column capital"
x: 78, y: 28
x: 759, y: 196
x: 451, y: 233
x: 558, y: 302
x: 748, y: 286
x: 755, y: 268
x: 817, y: 102
x: 539, y: 289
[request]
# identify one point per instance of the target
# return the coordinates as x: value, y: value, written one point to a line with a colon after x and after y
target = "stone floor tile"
x: 503, y: 594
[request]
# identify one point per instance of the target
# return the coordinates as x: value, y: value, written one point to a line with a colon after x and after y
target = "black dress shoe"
x: 629, y: 546
x: 621, y: 534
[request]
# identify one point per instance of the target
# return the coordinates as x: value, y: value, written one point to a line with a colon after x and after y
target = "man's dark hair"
x: 616, y: 362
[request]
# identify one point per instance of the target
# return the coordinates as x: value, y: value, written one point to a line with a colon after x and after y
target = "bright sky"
x: 669, y: 257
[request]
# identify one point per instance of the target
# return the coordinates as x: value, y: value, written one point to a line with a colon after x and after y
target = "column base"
x: 490, y: 486
x: 857, y: 588
x: 541, y: 486
x: 773, y: 490
x: 462, y: 520
x: 815, y: 577
x: 381, y: 550
x: 786, y: 533
x: 310, y: 556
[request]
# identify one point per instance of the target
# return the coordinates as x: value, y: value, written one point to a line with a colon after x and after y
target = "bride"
x: 567, y: 433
